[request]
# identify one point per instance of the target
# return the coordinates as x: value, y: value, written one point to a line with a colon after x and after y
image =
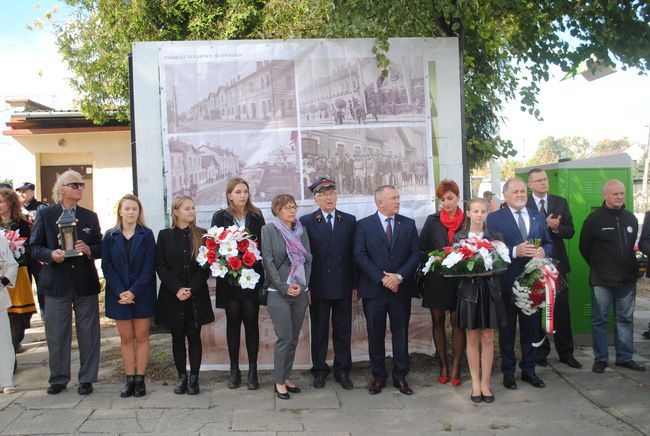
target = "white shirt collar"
x: 524, y: 211
x: 333, y: 213
x: 383, y: 217
x: 537, y: 199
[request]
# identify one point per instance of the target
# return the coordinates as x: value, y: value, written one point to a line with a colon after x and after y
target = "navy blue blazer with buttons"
x: 130, y: 271
x: 373, y: 255
x: 503, y: 222
x: 75, y: 275
x: 333, y: 273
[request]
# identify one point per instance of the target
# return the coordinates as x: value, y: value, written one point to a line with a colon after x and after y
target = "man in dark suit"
x: 560, y: 225
x: 332, y: 283
x: 387, y: 252
x: 69, y: 282
x: 518, y: 225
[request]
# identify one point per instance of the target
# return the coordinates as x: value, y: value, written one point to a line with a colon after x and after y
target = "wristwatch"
x: 400, y: 278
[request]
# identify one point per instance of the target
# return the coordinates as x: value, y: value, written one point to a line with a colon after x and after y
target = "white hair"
x: 62, y: 180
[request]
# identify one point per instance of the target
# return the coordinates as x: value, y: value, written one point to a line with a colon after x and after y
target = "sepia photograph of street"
x: 242, y: 95
x: 336, y: 92
x: 361, y: 159
x: 200, y: 165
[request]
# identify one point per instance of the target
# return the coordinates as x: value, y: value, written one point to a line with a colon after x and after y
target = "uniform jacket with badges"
x: 333, y: 272
x: 75, y: 275
x: 607, y: 244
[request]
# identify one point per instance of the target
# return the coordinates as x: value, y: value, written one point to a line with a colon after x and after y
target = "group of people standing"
x: 324, y: 260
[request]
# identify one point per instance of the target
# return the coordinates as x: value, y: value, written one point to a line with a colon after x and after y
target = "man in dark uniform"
x: 560, y: 225
x: 26, y: 192
x: 332, y: 283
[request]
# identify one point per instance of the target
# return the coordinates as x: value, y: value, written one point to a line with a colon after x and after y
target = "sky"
x: 612, y: 107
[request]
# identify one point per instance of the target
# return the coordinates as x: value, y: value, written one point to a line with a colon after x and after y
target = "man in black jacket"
x: 607, y: 245
x: 560, y: 225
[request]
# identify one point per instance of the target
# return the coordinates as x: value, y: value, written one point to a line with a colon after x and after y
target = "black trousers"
x: 399, y: 311
x: 563, y: 336
x: 341, y: 315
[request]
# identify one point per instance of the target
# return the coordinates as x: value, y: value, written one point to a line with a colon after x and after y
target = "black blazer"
x: 177, y: 268
x: 253, y: 223
x: 75, y: 275
x: 557, y: 205
x: 23, y: 232
x: 333, y: 273
x: 434, y: 236
x: 373, y: 255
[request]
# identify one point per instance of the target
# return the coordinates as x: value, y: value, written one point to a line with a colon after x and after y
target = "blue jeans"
x: 623, y: 298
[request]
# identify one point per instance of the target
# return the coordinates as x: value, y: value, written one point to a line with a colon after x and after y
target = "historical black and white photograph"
x: 242, y: 95
x: 336, y: 92
x: 200, y: 165
x: 360, y: 160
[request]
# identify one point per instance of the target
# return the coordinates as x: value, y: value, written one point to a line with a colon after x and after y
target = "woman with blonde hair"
x: 128, y: 263
x: 183, y: 299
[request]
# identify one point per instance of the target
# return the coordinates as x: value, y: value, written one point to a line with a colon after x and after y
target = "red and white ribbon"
x: 550, y: 285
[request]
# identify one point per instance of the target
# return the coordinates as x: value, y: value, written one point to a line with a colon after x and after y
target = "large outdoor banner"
x: 282, y: 113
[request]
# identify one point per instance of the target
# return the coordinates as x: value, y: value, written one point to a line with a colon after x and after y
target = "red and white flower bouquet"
x: 469, y: 257
x: 16, y: 242
x: 536, y: 288
x: 231, y: 253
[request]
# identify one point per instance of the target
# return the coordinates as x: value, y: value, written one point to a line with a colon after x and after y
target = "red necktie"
x: 389, y: 230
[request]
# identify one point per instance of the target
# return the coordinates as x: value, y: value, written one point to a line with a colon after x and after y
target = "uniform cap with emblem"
x: 27, y: 186
x: 321, y: 185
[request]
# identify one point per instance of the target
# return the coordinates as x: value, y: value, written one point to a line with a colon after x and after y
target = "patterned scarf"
x: 451, y: 223
x: 297, y: 253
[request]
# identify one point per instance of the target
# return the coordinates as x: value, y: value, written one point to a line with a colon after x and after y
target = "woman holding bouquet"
x: 128, y: 263
x: 479, y: 308
x: 287, y: 264
x: 22, y: 299
x: 8, y: 274
x: 183, y: 299
x: 439, y: 293
x: 241, y: 305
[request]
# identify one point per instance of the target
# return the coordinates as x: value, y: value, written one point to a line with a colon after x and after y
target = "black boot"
x: 235, y: 377
x: 252, y: 383
x: 193, y: 385
x: 181, y: 387
x: 127, y: 390
x: 140, y: 389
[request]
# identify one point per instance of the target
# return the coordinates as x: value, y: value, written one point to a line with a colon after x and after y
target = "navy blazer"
x: 75, y: 275
x: 333, y: 274
x: 557, y: 205
x: 503, y: 222
x: 374, y: 255
x: 133, y: 271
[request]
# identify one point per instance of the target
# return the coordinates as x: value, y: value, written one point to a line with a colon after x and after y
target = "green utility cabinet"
x: 581, y: 183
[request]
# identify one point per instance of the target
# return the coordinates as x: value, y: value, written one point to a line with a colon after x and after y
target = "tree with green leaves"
x: 551, y: 150
x: 507, y: 47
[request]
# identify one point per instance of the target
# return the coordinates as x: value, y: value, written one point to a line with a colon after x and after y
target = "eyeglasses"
x: 75, y: 185
x: 290, y: 207
x: 538, y: 180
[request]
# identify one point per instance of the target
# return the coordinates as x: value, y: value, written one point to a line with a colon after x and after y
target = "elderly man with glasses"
x: 69, y: 283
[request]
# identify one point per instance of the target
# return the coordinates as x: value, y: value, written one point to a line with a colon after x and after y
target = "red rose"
x: 234, y: 263
x: 243, y: 245
x: 210, y: 243
x: 537, y: 298
x: 538, y: 286
x: 248, y: 258
x: 212, y: 257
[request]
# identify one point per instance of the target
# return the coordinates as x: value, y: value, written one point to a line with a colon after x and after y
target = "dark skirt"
x: 480, y: 304
x: 439, y: 292
x: 226, y: 292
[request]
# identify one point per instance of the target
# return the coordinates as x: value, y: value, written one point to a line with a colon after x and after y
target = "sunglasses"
x: 75, y: 185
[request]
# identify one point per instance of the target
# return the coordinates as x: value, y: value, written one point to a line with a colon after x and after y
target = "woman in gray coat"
x: 287, y: 265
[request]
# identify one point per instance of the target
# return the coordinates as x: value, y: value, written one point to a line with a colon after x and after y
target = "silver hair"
x: 611, y: 182
x: 62, y: 180
x: 510, y: 180
x: 380, y: 190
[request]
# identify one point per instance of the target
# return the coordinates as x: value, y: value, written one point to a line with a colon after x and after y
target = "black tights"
x: 440, y: 341
x: 193, y: 335
x: 246, y: 311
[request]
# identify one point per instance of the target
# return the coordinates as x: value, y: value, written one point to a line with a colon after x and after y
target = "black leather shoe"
x: 403, y: 387
x: 533, y: 380
x: 377, y: 386
x: 282, y: 395
x: 56, y: 389
x: 193, y: 385
x: 181, y: 387
x: 252, y: 383
x: 234, y: 380
x: 129, y: 387
x: 541, y: 361
x: 599, y: 367
x: 509, y: 381
x: 646, y: 334
x: 319, y: 381
x: 476, y: 398
x: 345, y: 381
x: 630, y: 364
x: 488, y: 398
x: 293, y: 389
x: 85, y: 388
x: 140, y: 389
x: 572, y: 362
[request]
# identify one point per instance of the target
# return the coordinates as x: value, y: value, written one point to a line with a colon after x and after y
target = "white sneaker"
x: 9, y: 390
